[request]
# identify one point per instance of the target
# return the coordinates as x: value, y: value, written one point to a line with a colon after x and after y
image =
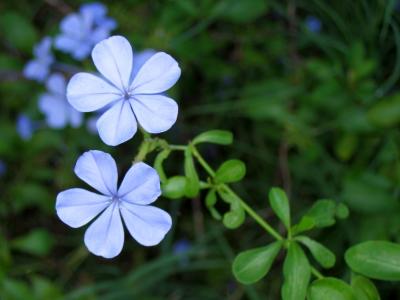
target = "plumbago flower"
x: 39, y: 67
x: 55, y: 106
x: 81, y: 31
x: 25, y: 127
x: 105, y: 236
x: 134, y: 97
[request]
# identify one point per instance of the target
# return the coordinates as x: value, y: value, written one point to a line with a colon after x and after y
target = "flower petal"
x: 147, y: 224
x: 118, y: 124
x: 158, y: 74
x: 141, y: 185
x: 155, y: 113
x: 105, y: 236
x: 56, y: 84
x: 113, y: 59
x: 54, y: 108
x: 139, y: 60
x: 98, y: 169
x: 36, y: 70
x: 87, y: 92
x: 76, y: 207
x: 75, y: 117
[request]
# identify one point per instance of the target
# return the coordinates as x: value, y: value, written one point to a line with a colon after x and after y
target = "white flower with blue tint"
x: 81, y: 31
x: 134, y: 99
x: 25, y: 127
x: 105, y: 236
x: 39, y: 67
x: 55, y: 106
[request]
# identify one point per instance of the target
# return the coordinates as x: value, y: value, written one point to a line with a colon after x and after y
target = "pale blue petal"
x: 77, y: 207
x: 25, y: 127
x: 42, y: 50
x: 148, y: 225
x: 139, y: 59
x: 118, y: 124
x: 98, y: 35
x: 56, y: 84
x: 157, y: 75
x: 66, y: 43
x: 105, y: 236
x: 75, y: 117
x: 113, y: 58
x: 141, y: 185
x: 54, y: 108
x: 98, y: 169
x: 82, y: 50
x: 72, y: 25
x: 96, y: 10
x: 155, y: 113
x: 107, y: 23
x: 36, y: 70
x: 87, y: 92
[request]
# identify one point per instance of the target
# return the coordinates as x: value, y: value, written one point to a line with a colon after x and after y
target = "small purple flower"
x: 25, y: 127
x: 313, y: 24
x: 133, y: 99
x: 98, y: 12
x: 55, y: 106
x: 39, y: 67
x: 105, y: 236
x: 81, y: 31
x: 3, y: 168
x: 181, y: 246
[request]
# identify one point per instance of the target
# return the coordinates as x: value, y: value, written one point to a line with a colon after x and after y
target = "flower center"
x: 127, y: 96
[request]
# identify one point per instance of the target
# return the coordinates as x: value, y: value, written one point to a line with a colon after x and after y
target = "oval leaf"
x: 296, y: 273
x: 364, y: 289
x: 322, y: 255
x: 252, y: 265
x: 174, y: 187
x: 234, y: 218
x: 375, y: 259
x: 193, y: 183
x: 221, y: 137
x: 330, y: 288
x: 280, y: 205
x: 230, y: 171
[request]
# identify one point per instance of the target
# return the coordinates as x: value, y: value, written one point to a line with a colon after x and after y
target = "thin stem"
x: 246, y: 207
x: 316, y: 273
x: 177, y: 147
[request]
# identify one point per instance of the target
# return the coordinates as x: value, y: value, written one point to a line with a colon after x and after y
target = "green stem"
x: 316, y: 273
x: 246, y: 207
x: 143, y: 150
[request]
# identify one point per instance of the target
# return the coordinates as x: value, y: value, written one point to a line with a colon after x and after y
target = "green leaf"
x: 211, y: 200
x: 242, y: 11
x: 252, y: 265
x: 193, y: 183
x: 306, y: 223
x: 322, y: 255
x: 342, y: 211
x: 158, y: 164
x: 235, y: 217
x: 280, y: 205
x: 221, y: 137
x: 330, y: 288
x: 296, y: 273
x: 44, y: 289
x: 174, y: 187
x: 230, y: 171
x: 20, y: 32
x: 386, y: 112
x: 364, y: 289
x: 375, y: 259
x: 37, y: 242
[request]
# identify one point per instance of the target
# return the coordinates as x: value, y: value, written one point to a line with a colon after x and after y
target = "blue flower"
x: 81, y: 31
x: 55, y: 106
x: 105, y: 236
x: 3, y: 168
x: 25, y: 127
x: 181, y: 246
x: 313, y: 24
x: 134, y: 99
x: 39, y: 67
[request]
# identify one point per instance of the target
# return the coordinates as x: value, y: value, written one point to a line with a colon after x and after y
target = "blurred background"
x: 310, y: 90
